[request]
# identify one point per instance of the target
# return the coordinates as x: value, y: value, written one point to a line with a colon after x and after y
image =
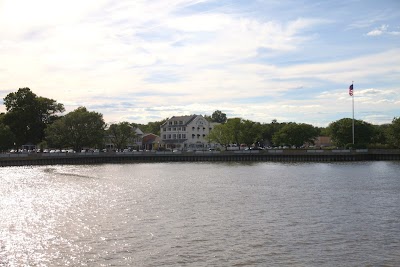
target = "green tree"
x: 267, y: 131
x: 218, y: 116
x: 234, y: 128
x: 293, y: 134
x: 322, y: 131
x: 120, y: 134
x: 393, y: 133
x: 341, y: 132
x: 7, y: 137
x: 380, y: 136
x: 220, y: 135
x: 78, y: 129
x: 249, y: 132
x: 28, y: 115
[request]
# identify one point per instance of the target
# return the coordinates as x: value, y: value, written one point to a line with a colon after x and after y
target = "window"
x: 174, y: 136
x: 169, y: 136
x: 169, y: 129
x: 175, y: 122
x: 179, y: 129
x: 164, y: 129
x: 174, y: 128
x: 180, y: 122
x: 184, y: 136
x: 192, y: 128
x: 183, y: 128
x: 179, y: 136
x: 164, y: 136
x: 170, y: 122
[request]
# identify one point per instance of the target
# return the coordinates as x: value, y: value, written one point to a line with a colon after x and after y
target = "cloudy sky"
x: 145, y: 60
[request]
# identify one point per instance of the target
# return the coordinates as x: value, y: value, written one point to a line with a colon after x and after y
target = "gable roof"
x: 185, y: 119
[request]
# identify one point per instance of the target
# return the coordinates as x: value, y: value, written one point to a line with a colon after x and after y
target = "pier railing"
x: 16, y: 159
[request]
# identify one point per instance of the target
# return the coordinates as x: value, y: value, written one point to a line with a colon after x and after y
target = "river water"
x: 201, y: 214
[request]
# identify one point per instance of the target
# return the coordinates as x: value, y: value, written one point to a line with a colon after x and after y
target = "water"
x: 201, y: 214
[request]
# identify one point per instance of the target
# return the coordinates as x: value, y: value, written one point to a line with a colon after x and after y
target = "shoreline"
x: 284, y: 155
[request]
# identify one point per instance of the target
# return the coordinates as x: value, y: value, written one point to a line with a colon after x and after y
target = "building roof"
x: 186, y: 119
x: 138, y: 131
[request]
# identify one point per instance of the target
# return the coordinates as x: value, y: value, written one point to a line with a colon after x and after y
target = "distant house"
x: 151, y: 142
x: 137, y: 141
x: 323, y: 141
x: 186, y: 132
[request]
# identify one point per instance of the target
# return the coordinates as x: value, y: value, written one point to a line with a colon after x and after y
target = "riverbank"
x: 289, y: 155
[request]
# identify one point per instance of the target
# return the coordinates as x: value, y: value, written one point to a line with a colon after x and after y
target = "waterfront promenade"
x: 284, y: 155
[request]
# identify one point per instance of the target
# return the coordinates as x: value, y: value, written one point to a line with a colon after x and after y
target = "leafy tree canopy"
x: 249, y: 132
x: 233, y: 128
x: 218, y: 116
x: 237, y: 131
x: 220, y: 135
x: 28, y: 115
x: 267, y: 131
x: 393, y: 133
x: 78, y: 129
x: 294, y: 134
x: 7, y: 138
x: 341, y: 132
x: 120, y: 134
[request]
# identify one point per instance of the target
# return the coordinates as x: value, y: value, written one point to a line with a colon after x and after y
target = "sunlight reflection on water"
x: 203, y: 214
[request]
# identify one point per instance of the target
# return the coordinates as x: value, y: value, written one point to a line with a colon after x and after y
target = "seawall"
x: 289, y: 155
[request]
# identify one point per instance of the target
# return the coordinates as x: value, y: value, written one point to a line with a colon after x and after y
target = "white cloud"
x: 95, y: 53
x: 383, y: 29
x: 375, y: 32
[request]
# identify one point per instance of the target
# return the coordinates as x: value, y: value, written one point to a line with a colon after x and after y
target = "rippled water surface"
x: 201, y: 214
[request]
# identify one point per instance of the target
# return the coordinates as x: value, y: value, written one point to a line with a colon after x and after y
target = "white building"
x: 186, y: 132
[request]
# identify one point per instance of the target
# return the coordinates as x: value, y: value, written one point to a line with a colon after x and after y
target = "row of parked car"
x: 55, y: 150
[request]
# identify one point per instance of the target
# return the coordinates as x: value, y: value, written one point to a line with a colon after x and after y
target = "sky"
x: 146, y: 60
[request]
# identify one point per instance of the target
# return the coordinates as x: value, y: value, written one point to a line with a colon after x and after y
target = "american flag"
x: 351, y: 90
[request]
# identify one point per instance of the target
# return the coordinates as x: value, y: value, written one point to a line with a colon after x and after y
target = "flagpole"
x: 352, y: 83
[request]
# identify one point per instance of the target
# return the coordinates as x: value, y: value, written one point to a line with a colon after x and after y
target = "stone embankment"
x: 289, y: 155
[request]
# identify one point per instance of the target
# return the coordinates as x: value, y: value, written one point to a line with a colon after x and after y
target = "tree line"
x: 32, y: 119
x: 291, y: 134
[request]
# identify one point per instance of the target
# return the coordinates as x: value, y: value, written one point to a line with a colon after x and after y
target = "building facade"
x: 323, y: 141
x: 186, y: 132
x: 151, y: 142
